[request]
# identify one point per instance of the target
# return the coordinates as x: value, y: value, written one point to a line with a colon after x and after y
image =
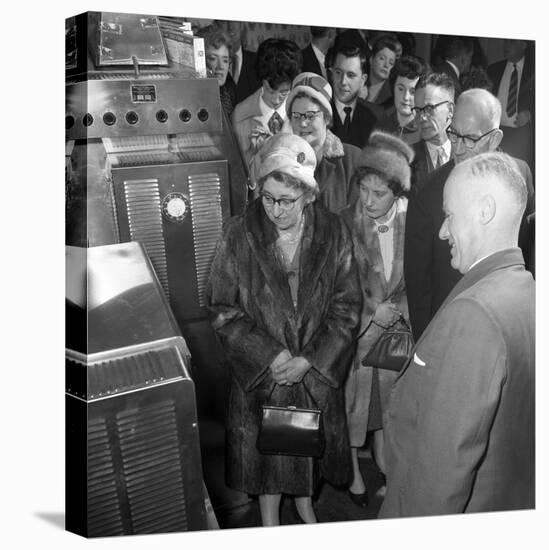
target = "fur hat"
x: 289, y: 154
x: 314, y: 86
x: 389, y: 156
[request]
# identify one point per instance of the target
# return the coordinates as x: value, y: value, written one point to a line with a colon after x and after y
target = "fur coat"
x: 255, y: 319
x: 335, y: 171
x: 375, y: 289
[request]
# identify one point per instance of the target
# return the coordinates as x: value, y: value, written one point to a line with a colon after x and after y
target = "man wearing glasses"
x: 434, y: 109
x: 427, y: 271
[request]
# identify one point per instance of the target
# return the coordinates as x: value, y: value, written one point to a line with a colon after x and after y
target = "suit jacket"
x: 460, y: 427
x: 445, y: 67
x: 310, y: 61
x: 248, y: 82
x: 362, y: 124
x: 427, y: 271
x: 247, y: 119
x: 526, y: 96
x: 422, y: 165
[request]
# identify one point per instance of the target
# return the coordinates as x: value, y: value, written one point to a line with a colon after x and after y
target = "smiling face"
x: 312, y: 131
x: 382, y: 63
x: 283, y: 218
x: 376, y: 197
x: 217, y: 61
x: 460, y: 226
x: 404, y: 91
x: 347, y: 77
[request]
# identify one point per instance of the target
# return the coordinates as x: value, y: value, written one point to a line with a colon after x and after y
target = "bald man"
x: 459, y: 430
x: 428, y: 273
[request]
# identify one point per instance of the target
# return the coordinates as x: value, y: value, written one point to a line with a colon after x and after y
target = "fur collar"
x: 332, y: 148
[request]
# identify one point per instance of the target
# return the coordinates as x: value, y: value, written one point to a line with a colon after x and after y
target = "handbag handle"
x: 306, y: 389
x: 400, y: 318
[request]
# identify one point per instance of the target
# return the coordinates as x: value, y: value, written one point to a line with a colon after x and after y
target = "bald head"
x: 484, y: 200
x: 475, y: 125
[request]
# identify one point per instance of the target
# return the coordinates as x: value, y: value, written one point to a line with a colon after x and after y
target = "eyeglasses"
x: 285, y: 204
x: 307, y: 115
x: 468, y: 141
x: 428, y: 110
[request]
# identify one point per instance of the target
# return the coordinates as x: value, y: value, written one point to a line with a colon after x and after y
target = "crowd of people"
x: 384, y: 190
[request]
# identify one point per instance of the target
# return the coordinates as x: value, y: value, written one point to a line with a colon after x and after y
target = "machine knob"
x: 185, y: 115
x: 161, y: 116
x: 132, y: 117
x: 203, y: 115
x: 87, y: 120
x: 109, y: 118
x: 69, y: 122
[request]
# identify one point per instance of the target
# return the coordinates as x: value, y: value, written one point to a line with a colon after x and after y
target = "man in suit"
x: 460, y: 425
x: 517, y: 97
x: 427, y: 271
x: 314, y: 55
x: 353, y: 120
x: 434, y: 109
x: 457, y: 53
x: 242, y: 62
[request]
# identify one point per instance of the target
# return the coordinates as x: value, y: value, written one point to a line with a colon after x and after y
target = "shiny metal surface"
x: 124, y: 108
x: 125, y: 36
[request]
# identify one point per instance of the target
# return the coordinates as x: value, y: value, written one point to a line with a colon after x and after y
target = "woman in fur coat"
x: 285, y: 297
x: 377, y: 222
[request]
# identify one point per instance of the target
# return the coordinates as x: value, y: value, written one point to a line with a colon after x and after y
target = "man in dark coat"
x: 457, y: 53
x: 518, y: 116
x: 427, y: 270
x: 314, y: 54
x: 353, y: 120
x: 434, y: 109
x: 460, y: 427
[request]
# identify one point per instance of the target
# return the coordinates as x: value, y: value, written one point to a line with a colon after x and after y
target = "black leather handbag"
x: 392, y: 349
x: 291, y: 430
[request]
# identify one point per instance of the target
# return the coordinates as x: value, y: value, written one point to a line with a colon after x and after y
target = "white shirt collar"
x: 453, y: 65
x: 390, y: 222
x: 340, y: 106
x: 432, y: 148
x: 319, y: 54
x: 268, y: 111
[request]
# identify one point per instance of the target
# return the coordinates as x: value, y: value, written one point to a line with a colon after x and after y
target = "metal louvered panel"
x: 145, y: 223
x: 205, y: 196
x: 152, y: 470
x: 104, y: 515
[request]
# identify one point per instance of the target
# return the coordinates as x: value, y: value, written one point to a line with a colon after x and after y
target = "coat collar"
x: 499, y: 260
x: 333, y: 147
x: 262, y: 235
x: 248, y: 108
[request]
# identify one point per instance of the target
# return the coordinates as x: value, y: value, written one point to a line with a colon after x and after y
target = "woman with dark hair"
x: 376, y: 221
x: 263, y: 113
x: 217, y: 46
x: 286, y: 300
x: 400, y: 119
x: 382, y: 60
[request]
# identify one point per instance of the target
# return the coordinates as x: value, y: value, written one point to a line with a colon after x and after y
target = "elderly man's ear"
x: 495, y: 139
x: 487, y: 209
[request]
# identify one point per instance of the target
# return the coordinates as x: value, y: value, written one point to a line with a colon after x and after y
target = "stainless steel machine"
x: 151, y: 158
x: 132, y: 452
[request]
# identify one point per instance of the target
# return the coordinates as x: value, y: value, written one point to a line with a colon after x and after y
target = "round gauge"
x: 175, y: 207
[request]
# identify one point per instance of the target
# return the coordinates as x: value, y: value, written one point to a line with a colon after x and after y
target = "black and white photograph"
x: 291, y: 276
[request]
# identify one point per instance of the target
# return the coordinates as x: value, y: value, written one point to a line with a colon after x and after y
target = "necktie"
x: 441, y: 157
x: 275, y: 123
x: 347, y: 121
x: 513, y: 89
